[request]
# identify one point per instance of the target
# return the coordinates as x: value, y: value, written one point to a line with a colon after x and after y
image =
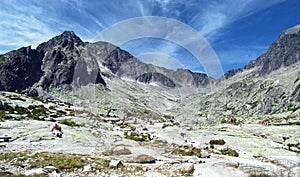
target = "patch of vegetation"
x: 21, y: 175
x: 63, y: 162
x: 254, y: 104
x: 136, y: 137
x: 294, y: 108
x: 294, y: 147
x: 217, y: 142
x: 229, y: 152
x: 31, y: 107
x: 223, y: 121
x: 38, y: 99
x: 17, y: 98
x: 269, y: 89
x: 10, y: 109
x: 60, y: 113
x: 21, y: 110
x: 39, y: 110
x: 3, y: 59
x: 187, y: 151
x: 2, y: 114
x: 288, y: 123
x: 52, y: 107
x: 69, y: 123
x: 118, y: 152
x: 282, y: 95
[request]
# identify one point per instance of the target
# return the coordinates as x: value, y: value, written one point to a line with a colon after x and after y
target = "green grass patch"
x: 3, y: 59
x: 136, y: 137
x: 118, y: 152
x: 17, y: 98
x: 69, y: 123
x: 288, y: 123
x: 217, y: 142
x: 187, y: 151
x: 63, y: 162
x: 39, y: 110
x: 21, y: 110
x: 2, y: 174
x: 2, y: 114
x: 229, y: 152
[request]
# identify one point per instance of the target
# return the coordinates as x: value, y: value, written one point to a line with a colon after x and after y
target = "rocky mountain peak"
x: 293, y: 30
x: 282, y: 53
x: 67, y: 40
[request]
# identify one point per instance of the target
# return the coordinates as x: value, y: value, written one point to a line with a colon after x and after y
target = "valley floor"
x: 111, y: 146
x: 169, y: 151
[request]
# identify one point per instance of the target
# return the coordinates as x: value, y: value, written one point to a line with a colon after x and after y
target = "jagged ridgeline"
x: 104, y: 75
x: 267, y: 88
x: 67, y: 68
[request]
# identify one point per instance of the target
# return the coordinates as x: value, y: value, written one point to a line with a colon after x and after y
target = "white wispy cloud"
x: 216, y: 15
x: 21, y: 29
x: 30, y: 22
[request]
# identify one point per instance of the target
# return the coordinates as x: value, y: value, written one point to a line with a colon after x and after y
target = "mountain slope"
x: 66, y: 58
x: 284, y: 52
x: 269, y: 87
x: 20, y: 69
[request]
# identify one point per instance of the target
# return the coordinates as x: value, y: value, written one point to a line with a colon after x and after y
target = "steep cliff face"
x: 62, y: 54
x: 51, y: 65
x: 20, y: 69
x: 269, y: 85
x: 284, y: 52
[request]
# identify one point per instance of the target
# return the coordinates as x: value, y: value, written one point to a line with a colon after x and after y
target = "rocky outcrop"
x: 20, y: 69
x: 65, y: 60
x: 63, y: 64
x: 51, y: 65
x: 284, y: 52
x: 156, y: 77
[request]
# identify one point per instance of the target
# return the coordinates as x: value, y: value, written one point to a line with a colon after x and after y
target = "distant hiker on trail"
x: 56, y: 130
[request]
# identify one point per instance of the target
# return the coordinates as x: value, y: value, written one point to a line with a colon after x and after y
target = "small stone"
x: 187, y: 168
x: 35, y: 171
x: 54, y: 174
x: 204, y: 154
x: 88, y: 168
x: 144, y: 159
x: 50, y: 169
x: 194, y: 160
x: 145, y: 169
x: 115, y: 164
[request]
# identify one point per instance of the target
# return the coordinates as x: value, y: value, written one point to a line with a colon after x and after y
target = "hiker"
x: 56, y: 130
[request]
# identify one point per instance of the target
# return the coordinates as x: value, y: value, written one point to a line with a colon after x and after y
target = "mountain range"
x: 268, y: 85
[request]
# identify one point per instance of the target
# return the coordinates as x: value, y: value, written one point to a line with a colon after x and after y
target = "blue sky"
x: 237, y: 30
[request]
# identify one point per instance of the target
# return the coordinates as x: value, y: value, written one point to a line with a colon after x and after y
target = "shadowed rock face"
x: 51, y: 65
x: 66, y: 59
x: 156, y: 77
x: 284, y: 52
x: 20, y: 69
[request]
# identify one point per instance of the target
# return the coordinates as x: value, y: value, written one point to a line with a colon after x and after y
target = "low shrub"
x: 229, y: 152
x: 69, y: 123
x: 217, y: 142
x: 187, y: 151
